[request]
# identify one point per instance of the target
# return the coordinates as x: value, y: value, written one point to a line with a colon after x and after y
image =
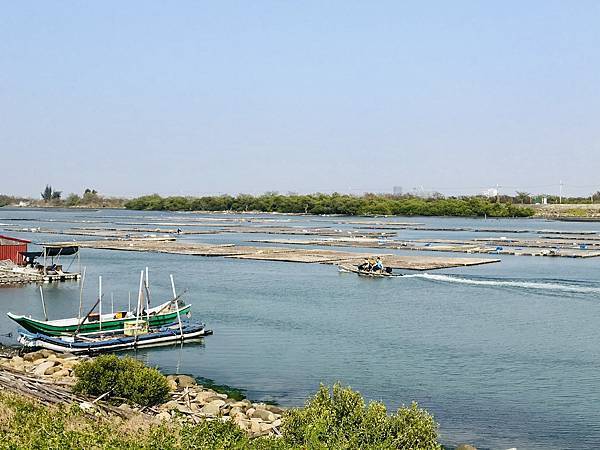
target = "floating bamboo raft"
x: 484, y: 246
x: 286, y: 254
x: 127, y: 233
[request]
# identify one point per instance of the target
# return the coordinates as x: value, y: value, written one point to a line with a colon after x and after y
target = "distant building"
x: 11, y: 249
x: 493, y: 192
x: 397, y: 190
x: 422, y: 193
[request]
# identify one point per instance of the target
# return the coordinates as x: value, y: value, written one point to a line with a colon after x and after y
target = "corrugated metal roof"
x: 23, y: 241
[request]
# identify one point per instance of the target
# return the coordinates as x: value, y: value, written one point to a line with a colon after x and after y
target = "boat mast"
x: 146, y: 285
x: 100, y: 296
x: 81, y: 295
x: 43, y: 303
x: 177, y: 306
x: 140, y: 297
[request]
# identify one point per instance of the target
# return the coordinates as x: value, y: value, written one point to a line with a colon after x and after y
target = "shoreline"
x: 559, y: 212
x: 47, y: 379
x: 52, y: 375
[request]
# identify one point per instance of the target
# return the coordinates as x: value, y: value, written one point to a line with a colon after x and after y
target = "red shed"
x: 10, y: 248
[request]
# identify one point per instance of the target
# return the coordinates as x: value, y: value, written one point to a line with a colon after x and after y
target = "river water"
x: 504, y: 355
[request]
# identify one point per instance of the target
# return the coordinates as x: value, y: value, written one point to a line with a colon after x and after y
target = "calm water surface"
x: 504, y: 355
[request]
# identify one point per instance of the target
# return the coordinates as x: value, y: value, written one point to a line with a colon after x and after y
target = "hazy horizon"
x: 206, y: 98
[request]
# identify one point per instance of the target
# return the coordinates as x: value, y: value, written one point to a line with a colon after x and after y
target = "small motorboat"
x: 367, y: 273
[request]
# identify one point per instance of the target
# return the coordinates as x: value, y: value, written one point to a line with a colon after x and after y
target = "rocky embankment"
x: 566, y: 210
x: 44, y: 364
x: 190, y: 401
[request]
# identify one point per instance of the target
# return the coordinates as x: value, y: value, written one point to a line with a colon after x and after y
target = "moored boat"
x: 104, y: 342
x: 159, y: 315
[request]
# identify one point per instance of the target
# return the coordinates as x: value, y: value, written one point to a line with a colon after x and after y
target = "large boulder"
x: 16, y: 360
x: 184, y: 409
x: 241, y: 405
x: 465, y: 447
x: 207, y: 397
x: 60, y: 373
x: 43, y: 368
x: 46, y: 353
x: 33, y: 356
x: 275, y: 409
x: 213, y: 408
x: 69, y: 363
x: 235, y: 410
x: 53, y: 370
x: 172, y: 404
x: 184, y: 381
x: 263, y: 414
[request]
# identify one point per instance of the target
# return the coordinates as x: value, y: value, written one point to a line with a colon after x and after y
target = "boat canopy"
x: 53, y: 250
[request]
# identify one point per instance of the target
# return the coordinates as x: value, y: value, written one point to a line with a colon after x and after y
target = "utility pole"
x: 497, y: 193
x: 560, y: 191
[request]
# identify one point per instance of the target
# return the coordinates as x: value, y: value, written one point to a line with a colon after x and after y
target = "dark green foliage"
x: 214, y: 434
x: 73, y: 200
x: 366, y: 205
x: 341, y: 420
x: 47, y: 193
x: 122, y: 377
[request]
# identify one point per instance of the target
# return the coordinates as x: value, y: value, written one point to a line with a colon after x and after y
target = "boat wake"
x: 519, y: 284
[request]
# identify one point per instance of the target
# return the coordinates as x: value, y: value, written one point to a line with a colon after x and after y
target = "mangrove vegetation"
x: 366, y: 205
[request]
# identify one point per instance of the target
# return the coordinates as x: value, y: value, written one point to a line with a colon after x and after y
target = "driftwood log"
x: 49, y: 392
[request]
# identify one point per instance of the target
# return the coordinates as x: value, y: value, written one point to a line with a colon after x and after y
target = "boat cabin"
x: 12, y: 249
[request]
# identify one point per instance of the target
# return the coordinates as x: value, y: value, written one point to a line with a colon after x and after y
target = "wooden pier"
x: 9, y: 276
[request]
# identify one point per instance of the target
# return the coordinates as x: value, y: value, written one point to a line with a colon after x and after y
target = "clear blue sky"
x: 208, y: 97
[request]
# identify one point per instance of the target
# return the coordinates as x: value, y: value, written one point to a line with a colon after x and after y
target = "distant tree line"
x: 6, y: 200
x: 366, y: 205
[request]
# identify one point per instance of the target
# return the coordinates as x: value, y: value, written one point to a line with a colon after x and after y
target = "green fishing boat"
x: 163, y: 314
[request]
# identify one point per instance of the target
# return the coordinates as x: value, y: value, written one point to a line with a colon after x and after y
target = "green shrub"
x: 341, y: 420
x: 122, y: 377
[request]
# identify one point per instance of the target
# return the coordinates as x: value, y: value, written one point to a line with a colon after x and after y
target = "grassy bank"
x: 366, y: 205
x: 338, y: 421
x: 143, y: 409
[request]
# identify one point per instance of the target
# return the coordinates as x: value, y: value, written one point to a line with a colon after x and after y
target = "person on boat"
x: 378, y: 267
x: 364, y: 267
x: 371, y: 264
